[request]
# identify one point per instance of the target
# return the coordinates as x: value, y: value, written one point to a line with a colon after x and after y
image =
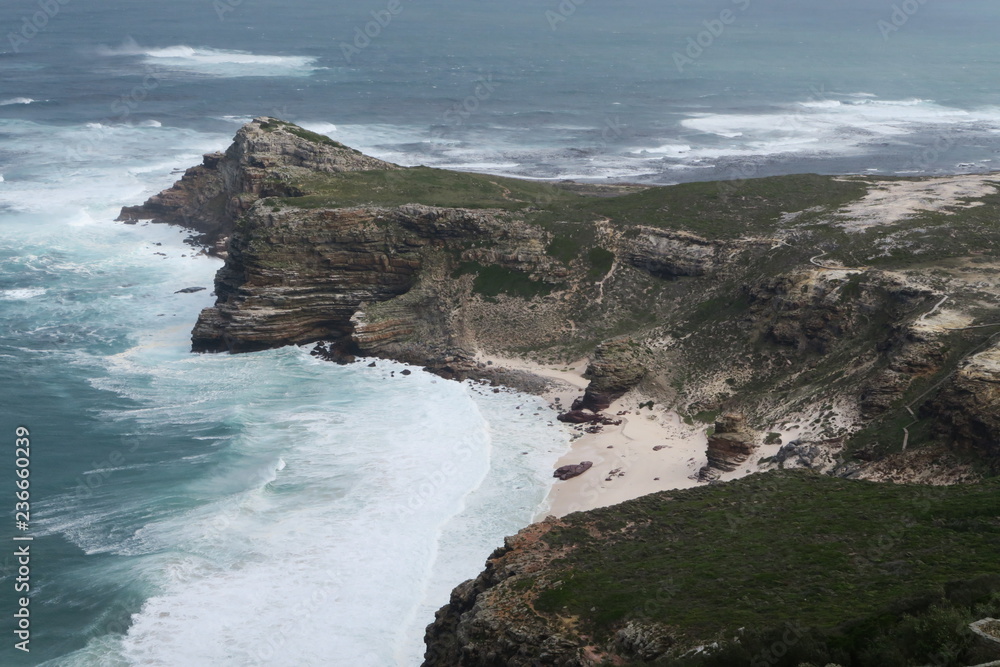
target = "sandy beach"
x: 651, y: 450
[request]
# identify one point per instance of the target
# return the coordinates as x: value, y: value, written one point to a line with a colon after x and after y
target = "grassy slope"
x: 424, y: 185
x: 730, y: 210
x: 844, y: 557
x: 772, y: 549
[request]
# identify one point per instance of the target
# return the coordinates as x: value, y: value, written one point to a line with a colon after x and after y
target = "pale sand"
x: 889, y: 202
x: 627, y: 449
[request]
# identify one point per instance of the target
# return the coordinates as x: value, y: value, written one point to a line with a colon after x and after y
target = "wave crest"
x: 214, y: 62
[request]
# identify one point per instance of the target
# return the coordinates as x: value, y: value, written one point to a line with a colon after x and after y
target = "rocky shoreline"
x: 433, y: 285
x: 792, y: 322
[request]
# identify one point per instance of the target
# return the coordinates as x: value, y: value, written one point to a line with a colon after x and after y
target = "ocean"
x: 272, y: 509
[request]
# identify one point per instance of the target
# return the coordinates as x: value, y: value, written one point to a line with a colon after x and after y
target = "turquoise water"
x: 271, y: 509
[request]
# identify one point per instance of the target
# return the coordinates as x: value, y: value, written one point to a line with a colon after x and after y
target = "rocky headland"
x: 840, y: 324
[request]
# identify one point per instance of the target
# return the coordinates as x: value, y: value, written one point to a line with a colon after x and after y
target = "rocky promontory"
x: 788, y: 568
x: 794, y: 302
x: 764, y: 300
x: 265, y: 159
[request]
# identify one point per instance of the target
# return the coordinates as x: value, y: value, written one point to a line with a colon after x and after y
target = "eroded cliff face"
x: 737, y: 310
x: 967, y: 410
x: 298, y: 276
x: 674, y: 577
x: 710, y: 304
x: 266, y: 156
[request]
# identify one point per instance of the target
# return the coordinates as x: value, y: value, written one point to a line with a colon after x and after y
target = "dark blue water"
x: 184, y: 508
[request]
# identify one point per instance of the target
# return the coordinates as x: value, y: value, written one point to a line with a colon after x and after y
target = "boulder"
x: 616, y: 367
x: 578, y: 417
x: 820, y: 456
x: 570, y: 471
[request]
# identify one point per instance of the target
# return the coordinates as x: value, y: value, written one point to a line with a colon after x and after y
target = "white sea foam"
x: 215, y: 62
x: 829, y: 126
x: 320, y: 127
x: 17, y: 100
x: 669, y: 150
x: 350, y: 505
x: 100, y: 166
x: 239, y: 120
x: 21, y: 294
x: 341, y: 505
x: 487, y: 167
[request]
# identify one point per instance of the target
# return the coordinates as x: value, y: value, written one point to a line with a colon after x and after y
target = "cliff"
x: 802, y: 301
x: 863, y: 323
x: 775, y: 569
x: 265, y: 159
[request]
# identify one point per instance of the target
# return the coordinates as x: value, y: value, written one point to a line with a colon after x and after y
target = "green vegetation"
x: 601, y: 261
x: 492, y: 280
x: 706, y: 416
x: 858, y: 567
x: 424, y: 185
x: 728, y: 210
x: 564, y: 247
x: 301, y: 132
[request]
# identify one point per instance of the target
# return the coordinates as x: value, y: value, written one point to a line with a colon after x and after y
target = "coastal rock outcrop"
x: 342, y: 258
x: 639, y: 583
x: 488, y: 621
x: 573, y: 470
x: 821, y: 456
x: 616, y: 366
x: 729, y: 447
x: 700, y: 301
x: 694, y: 299
x: 673, y: 253
x: 263, y: 160
x: 967, y: 410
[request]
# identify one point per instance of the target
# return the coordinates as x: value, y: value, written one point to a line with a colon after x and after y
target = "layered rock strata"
x: 730, y: 446
x: 265, y: 157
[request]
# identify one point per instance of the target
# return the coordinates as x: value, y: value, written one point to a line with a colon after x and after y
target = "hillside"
x: 861, y: 314
x: 783, y: 568
x: 848, y: 307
